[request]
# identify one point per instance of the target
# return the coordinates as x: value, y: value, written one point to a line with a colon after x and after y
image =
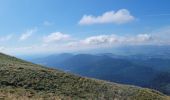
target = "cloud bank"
x: 62, y: 42
x: 111, y: 40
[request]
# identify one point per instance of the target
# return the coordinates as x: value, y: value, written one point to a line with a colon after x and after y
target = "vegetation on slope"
x: 23, y: 80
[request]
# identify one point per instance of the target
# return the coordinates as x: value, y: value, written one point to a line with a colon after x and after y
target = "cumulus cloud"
x: 6, y: 38
x: 115, y: 39
x: 120, y: 17
x: 56, y: 37
x: 101, y: 39
x: 27, y: 34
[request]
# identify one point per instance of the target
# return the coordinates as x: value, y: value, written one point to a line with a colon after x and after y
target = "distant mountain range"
x: 152, y: 71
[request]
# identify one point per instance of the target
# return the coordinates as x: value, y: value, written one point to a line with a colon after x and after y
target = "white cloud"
x: 2, y: 48
x: 6, y: 38
x: 115, y: 39
x: 161, y: 36
x: 47, y: 23
x: 27, y: 34
x: 120, y: 17
x: 142, y: 38
x: 56, y: 37
x: 101, y: 39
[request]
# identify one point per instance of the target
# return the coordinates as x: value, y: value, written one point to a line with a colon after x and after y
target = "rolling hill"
x: 23, y: 80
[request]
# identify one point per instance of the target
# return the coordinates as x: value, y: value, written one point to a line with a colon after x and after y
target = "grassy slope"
x: 23, y: 80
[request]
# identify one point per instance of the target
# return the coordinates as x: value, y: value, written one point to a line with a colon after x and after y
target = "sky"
x: 56, y: 26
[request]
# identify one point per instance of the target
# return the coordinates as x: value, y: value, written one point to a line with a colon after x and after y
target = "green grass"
x: 23, y: 80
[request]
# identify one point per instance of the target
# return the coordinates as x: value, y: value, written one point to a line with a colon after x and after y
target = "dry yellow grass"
x: 168, y: 97
x: 9, y: 96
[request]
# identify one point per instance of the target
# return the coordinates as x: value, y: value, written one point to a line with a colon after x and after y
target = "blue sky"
x: 41, y: 26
